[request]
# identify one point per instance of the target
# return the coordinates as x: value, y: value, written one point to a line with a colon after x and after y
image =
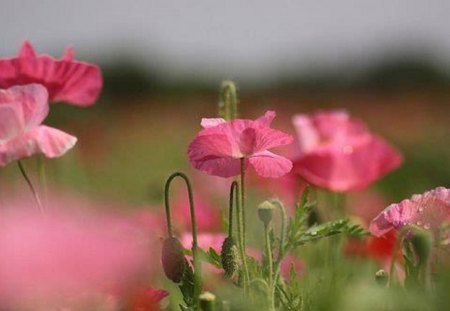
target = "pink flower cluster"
x: 30, y: 81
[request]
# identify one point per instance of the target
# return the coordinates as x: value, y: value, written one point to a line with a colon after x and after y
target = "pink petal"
x: 11, y: 121
x: 67, y: 80
x: 26, y: 50
x: 267, y: 118
x: 429, y: 211
x: 267, y: 138
x: 349, y: 168
x: 268, y: 164
x: 34, y: 101
x: 211, y: 122
x: 213, y: 155
x: 42, y: 139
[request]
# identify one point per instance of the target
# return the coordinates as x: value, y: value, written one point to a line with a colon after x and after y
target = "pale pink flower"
x: 428, y: 211
x: 66, y: 79
x: 220, y: 146
x: 292, y: 262
x: 22, y: 110
x: 69, y: 255
x: 339, y: 153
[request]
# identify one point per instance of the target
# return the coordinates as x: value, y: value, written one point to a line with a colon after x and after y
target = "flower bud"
x: 381, y: 277
x: 173, y: 260
x: 230, y: 257
x: 207, y: 301
x: 422, y: 243
x: 265, y: 212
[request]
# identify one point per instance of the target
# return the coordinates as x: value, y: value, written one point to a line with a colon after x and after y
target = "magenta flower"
x: 339, y: 153
x: 428, y: 211
x: 22, y: 110
x: 66, y: 79
x: 220, y: 146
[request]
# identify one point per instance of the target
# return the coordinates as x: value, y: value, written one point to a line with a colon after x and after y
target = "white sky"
x: 234, y: 38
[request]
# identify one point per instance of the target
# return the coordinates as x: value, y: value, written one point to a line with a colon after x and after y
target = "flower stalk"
x: 30, y: 185
x: 195, y: 252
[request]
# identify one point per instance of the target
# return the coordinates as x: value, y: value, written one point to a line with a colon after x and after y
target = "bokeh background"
x: 387, y: 62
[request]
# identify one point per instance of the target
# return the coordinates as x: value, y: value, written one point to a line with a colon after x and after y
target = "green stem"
x: 242, y: 210
x: 398, y: 243
x: 30, y: 185
x: 228, y: 100
x: 195, y: 254
x: 233, y: 189
x: 270, y: 262
x: 42, y: 177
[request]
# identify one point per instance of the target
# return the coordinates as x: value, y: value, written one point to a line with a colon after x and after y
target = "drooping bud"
x: 230, y: 257
x: 265, y: 212
x: 381, y: 277
x: 207, y: 301
x: 173, y: 260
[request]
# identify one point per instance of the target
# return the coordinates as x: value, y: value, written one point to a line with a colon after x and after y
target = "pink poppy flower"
x: 338, y: 152
x: 429, y: 211
x: 22, y: 110
x: 66, y: 79
x: 292, y: 262
x: 218, y: 148
x: 70, y: 256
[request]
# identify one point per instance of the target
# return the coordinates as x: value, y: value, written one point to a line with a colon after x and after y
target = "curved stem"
x: 195, y: 255
x: 30, y: 185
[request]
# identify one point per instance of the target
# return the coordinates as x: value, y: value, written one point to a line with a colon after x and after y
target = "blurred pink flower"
x: 66, y: 79
x: 207, y: 215
x: 338, y: 152
x: 292, y: 262
x: 22, y: 110
x: 218, y: 148
x: 429, y: 211
x: 65, y: 256
x: 146, y: 299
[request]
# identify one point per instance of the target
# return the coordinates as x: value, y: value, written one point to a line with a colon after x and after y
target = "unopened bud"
x: 265, y: 212
x: 207, y: 301
x: 230, y: 257
x: 381, y: 277
x: 173, y: 260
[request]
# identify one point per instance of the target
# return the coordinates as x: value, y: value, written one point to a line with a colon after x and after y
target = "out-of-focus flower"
x: 220, y: 146
x: 66, y: 79
x: 338, y: 152
x: 428, y: 210
x: 207, y: 215
x: 68, y: 256
x: 292, y: 262
x: 146, y: 299
x: 22, y: 110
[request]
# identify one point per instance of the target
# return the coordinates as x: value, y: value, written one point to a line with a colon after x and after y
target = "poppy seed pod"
x: 265, y: 212
x: 230, y: 257
x: 173, y: 260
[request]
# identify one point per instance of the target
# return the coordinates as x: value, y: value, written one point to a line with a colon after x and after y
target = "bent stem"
x: 195, y: 254
x: 242, y: 224
x: 30, y: 185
